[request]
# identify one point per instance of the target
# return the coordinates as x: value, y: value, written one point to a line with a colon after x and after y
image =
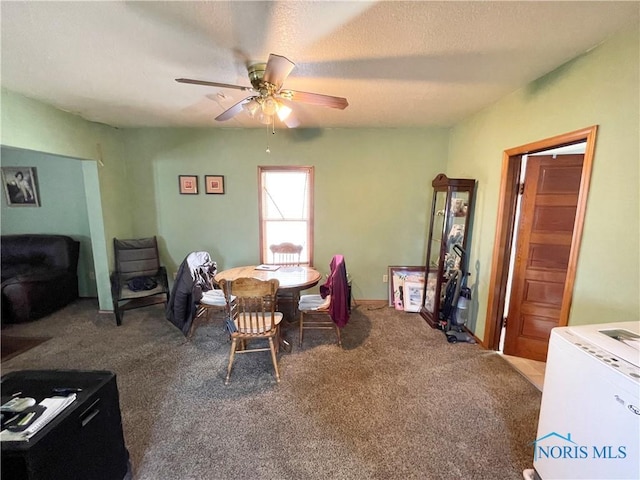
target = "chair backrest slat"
x: 254, y: 309
x: 286, y: 254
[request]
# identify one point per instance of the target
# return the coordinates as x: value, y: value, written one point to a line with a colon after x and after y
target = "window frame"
x: 309, y: 170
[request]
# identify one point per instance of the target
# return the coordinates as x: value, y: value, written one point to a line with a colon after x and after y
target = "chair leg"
x: 117, y: 313
x: 194, y: 325
x: 231, y: 355
x: 296, y: 300
x: 274, y: 358
x: 203, y: 315
x: 338, y: 335
x: 301, y: 329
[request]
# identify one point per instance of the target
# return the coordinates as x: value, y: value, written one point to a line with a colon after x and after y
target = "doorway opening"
x: 504, y: 252
x: 575, y: 149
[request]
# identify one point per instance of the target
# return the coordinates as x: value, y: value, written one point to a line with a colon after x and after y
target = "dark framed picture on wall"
x: 188, y: 184
x: 21, y: 186
x: 214, y: 184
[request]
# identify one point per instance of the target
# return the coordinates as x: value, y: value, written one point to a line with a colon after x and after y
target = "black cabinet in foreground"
x: 85, y: 441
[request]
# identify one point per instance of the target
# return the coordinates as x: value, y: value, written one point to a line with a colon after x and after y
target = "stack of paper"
x: 269, y: 268
x: 53, y: 406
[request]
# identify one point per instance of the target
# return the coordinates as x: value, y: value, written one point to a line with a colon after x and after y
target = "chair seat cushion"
x: 215, y: 297
x: 127, y: 293
x: 256, y: 326
x: 314, y: 302
x: 138, y: 284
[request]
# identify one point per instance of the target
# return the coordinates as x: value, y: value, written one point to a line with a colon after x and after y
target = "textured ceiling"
x: 397, y: 63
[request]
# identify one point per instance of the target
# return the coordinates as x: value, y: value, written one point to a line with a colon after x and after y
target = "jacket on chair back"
x: 338, y: 287
x: 193, y: 277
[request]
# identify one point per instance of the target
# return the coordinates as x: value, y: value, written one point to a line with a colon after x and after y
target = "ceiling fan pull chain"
x: 268, y: 150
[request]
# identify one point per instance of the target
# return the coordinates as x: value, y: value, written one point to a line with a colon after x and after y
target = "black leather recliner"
x: 39, y: 275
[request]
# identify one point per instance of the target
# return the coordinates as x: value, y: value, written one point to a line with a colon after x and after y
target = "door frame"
x: 509, y: 186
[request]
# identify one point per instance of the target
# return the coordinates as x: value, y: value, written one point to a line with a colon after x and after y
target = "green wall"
x: 372, y: 188
x: 372, y: 185
x: 63, y: 207
x: 372, y: 193
x: 598, y: 88
x: 31, y: 125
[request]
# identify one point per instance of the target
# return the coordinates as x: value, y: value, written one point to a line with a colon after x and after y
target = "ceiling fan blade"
x: 315, y: 99
x: 233, y: 111
x: 278, y: 69
x: 212, y: 84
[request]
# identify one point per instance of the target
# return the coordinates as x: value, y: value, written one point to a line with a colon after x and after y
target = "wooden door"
x: 543, y: 246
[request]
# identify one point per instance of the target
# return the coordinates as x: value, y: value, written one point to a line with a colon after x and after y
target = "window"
x: 286, y: 209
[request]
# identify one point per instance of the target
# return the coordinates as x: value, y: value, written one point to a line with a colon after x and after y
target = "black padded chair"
x: 138, y: 280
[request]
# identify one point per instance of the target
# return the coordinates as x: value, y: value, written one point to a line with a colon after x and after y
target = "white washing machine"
x: 589, y: 426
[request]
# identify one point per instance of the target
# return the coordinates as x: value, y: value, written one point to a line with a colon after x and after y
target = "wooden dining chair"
x: 330, y: 309
x: 252, y: 316
x: 285, y: 254
x: 211, y: 307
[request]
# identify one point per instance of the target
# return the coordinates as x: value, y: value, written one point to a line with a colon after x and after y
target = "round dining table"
x: 293, y: 279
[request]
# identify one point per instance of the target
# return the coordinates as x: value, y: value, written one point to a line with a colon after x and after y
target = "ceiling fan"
x: 269, y: 98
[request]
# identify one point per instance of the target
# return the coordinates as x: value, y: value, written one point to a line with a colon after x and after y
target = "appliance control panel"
x: 606, y: 357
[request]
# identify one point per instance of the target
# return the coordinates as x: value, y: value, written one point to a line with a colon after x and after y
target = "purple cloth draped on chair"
x: 337, y: 286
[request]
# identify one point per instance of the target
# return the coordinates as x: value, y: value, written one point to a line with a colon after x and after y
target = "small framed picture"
x: 214, y: 184
x: 398, y: 275
x: 188, y: 184
x: 21, y: 186
x: 413, y: 294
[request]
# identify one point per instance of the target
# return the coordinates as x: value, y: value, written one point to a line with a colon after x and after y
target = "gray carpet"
x: 397, y: 401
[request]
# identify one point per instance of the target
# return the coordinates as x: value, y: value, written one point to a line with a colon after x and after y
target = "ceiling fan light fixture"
x: 283, y: 112
x: 264, y: 118
x: 269, y: 106
x: 251, y: 107
x: 267, y: 97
